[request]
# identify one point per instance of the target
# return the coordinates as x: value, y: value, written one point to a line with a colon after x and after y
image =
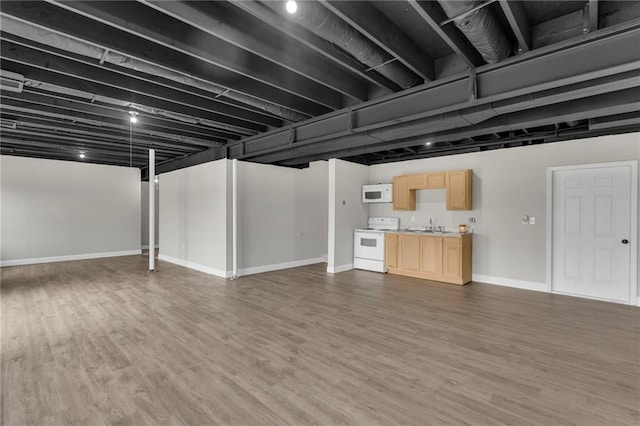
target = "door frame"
x: 633, y: 272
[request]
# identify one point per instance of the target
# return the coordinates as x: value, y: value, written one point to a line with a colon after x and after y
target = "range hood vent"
x: 11, y: 81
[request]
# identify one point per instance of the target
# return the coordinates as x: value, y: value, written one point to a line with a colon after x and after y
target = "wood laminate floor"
x: 104, y: 342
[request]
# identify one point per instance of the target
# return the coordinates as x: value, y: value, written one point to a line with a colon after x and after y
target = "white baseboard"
x: 67, y: 258
x: 145, y: 247
x: 196, y: 266
x: 508, y: 282
x: 339, y: 268
x: 278, y: 266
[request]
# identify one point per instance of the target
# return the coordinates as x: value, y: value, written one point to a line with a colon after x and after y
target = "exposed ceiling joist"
x: 92, y: 31
x: 519, y: 22
x: 213, y: 51
x: 128, y: 87
x: 431, y: 13
x: 221, y: 22
x: 266, y: 15
x: 379, y: 29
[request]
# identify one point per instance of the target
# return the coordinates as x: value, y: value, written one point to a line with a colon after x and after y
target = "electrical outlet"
x: 413, y: 218
x: 472, y: 219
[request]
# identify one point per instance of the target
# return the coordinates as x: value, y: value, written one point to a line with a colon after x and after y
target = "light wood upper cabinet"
x: 391, y: 250
x: 431, y: 254
x: 403, y: 197
x: 427, y: 180
x: 458, y: 185
x: 409, y: 252
x: 459, y: 190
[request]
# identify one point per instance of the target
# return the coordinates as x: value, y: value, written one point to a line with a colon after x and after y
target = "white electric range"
x: 368, y: 244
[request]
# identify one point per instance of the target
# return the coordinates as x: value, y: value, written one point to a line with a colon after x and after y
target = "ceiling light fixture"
x: 156, y: 180
x: 133, y: 116
x: 428, y: 144
x: 291, y: 6
x: 81, y: 155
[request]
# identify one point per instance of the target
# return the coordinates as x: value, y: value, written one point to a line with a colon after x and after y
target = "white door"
x: 591, y: 232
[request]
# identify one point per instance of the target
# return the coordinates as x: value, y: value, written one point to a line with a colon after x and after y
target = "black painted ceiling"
x: 245, y: 79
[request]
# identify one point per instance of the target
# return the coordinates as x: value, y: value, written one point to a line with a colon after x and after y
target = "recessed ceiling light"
x: 291, y: 6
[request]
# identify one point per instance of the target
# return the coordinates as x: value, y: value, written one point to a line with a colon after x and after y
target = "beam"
x: 518, y: 20
x: 61, y: 72
x: 192, y: 160
x: 307, y: 38
x: 102, y: 134
x: 253, y: 36
x: 57, y: 105
x: 592, y: 7
x: 57, y: 60
x: 77, y: 26
x: 57, y: 154
x: 606, y: 104
x: 432, y: 14
x: 165, y: 31
x: 368, y: 20
x: 72, y: 146
x: 554, y: 74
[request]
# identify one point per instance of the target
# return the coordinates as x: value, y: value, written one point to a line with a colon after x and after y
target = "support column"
x: 152, y: 210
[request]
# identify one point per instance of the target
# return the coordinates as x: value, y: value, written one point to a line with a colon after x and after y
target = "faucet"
x: 430, y: 227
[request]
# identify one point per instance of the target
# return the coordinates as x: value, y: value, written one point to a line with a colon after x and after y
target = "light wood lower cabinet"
x: 432, y: 257
x: 409, y: 252
x: 391, y: 250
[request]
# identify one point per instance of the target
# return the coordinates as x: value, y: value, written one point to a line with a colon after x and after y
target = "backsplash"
x: 430, y: 204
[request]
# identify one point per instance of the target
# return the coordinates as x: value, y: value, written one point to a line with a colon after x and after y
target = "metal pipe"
x: 480, y: 27
x: 324, y: 23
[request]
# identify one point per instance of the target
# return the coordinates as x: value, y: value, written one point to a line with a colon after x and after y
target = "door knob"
x: 625, y: 241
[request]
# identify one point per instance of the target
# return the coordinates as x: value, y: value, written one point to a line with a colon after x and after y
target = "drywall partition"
x: 507, y: 185
x: 62, y: 210
x: 282, y: 216
x: 144, y: 221
x: 193, y: 217
x: 346, y: 211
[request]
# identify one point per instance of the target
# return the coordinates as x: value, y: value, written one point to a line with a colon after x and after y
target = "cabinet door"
x: 435, y: 180
x: 409, y: 252
x: 431, y: 254
x: 452, y: 257
x: 459, y: 190
x: 403, y: 197
x: 418, y: 181
x: 391, y: 250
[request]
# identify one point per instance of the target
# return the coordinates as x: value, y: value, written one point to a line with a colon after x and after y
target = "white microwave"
x: 380, y: 193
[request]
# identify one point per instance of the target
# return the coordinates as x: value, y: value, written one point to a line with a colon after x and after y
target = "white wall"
x: 193, y: 217
x: 507, y: 184
x: 61, y: 210
x: 346, y: 211
x: 144, y: 220
x: 282, y: 216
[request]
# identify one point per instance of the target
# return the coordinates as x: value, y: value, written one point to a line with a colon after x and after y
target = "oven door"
x: 368, y: 245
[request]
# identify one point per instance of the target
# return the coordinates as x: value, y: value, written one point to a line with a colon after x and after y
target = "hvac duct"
x: 324, y: 23
x: 480, y: 27
x: 59, y: 41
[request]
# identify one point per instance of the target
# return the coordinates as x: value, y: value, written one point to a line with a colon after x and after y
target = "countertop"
x: 434, y: 233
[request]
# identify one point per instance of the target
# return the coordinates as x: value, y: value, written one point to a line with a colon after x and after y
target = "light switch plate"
x: 532, y: 220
